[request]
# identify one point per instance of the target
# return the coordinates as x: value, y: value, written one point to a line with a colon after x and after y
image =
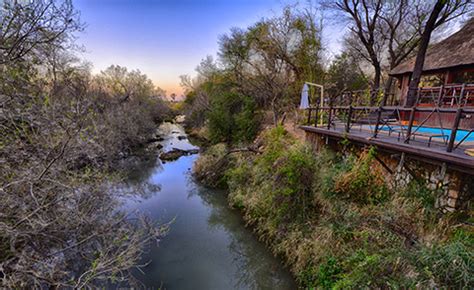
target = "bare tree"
x: 389, y: 31
x: 28, y: 26
x: 364, y: 16
x: 61, y: 130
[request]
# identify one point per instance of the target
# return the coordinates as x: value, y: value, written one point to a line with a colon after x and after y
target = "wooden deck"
x: 417, y: 148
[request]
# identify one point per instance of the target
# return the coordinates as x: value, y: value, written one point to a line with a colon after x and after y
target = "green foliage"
x: 418, y: 189
x: 344, y: 74
x: 276, y: 142
x: 265, y: 63
x: 364, y: 269
x: 328, y: 273
x: 210, y: 168
x: 294, y: 181
x: 232, y: 118
x: 287, y: 170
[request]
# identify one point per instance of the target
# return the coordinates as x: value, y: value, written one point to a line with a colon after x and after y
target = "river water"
x: 208, y: 245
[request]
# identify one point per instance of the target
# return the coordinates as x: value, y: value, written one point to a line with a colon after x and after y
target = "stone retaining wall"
x: 453, y: 189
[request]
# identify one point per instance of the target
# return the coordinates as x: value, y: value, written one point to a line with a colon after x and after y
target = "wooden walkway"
x: 417, y: 148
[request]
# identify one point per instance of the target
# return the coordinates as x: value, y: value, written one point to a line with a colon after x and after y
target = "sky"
x: 165, y: 38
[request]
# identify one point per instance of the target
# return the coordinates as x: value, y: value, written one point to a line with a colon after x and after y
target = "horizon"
x: 166, y: 39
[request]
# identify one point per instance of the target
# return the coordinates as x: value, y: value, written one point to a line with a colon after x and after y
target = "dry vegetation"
x: 62, y: 129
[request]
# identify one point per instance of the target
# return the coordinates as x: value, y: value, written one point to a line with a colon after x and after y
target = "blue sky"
x: 163, y: 38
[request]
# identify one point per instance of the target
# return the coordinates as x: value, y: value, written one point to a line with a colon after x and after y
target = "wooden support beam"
x: 454, y: 130
x: 389, y: 170
x: 316, y: 114
x: 349, y: 119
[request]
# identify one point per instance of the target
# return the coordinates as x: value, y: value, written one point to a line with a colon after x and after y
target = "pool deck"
x: 418, y: 147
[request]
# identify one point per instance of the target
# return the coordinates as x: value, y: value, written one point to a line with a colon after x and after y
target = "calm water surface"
x: 208, y: 246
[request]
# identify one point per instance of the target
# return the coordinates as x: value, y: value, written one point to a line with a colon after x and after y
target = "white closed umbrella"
x: 304, y: 104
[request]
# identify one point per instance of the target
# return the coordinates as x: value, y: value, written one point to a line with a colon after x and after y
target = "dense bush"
x: 61, y: 129
x: 232, y: 118
x: 216, y: 103
x: 364, y: 182
x: 210, y: 168
x: 335, y: 234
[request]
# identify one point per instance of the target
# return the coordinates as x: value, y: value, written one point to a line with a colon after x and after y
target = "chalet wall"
x: 453, y: 189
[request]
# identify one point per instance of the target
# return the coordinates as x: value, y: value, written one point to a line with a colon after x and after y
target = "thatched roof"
x: 456, y: 50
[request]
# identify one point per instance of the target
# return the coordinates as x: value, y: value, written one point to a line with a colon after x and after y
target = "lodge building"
x: 432, y: 139
x: 448, y: 77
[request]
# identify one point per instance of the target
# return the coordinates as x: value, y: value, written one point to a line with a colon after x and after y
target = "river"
x: 208, y: 245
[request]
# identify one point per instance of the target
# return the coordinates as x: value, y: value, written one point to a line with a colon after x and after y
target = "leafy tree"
x: 272, y: 58
x: 344, y: 74
x: 232, y: 118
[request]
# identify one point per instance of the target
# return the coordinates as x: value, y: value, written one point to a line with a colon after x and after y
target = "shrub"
x: 293, y: 179
x: 364, y: 182
x: 211, y: 166
x: 418, y: 190
x: 328, y: 273
x: 232, y: 118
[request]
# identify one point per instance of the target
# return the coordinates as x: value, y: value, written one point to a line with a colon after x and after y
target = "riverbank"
x: 335, y: 220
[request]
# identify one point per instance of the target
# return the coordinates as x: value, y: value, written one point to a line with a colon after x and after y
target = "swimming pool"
x: 460, y: 134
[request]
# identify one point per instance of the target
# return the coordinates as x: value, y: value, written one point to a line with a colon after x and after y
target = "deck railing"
x: 401, y: 120
x: 453, y: 95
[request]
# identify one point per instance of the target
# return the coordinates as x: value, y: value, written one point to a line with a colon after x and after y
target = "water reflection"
x: 208, y: 246
x: 137, y: 182
x: 254, y: 269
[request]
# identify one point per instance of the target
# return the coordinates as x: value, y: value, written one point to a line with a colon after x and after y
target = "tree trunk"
x: 420, y: 57
x: 389, y: 84
x: 387, y: 90
x: 376, y: 85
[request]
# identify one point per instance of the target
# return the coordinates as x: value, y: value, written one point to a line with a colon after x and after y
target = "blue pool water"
x: 435, y: 131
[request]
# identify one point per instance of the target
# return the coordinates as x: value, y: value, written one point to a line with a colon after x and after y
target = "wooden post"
x: 379, y: 113
x: 379, y: 117
x: 349, y: 119
x: 462, y: 94
x: 454, y: 130
x: 440, y: 96
x: 316, y: 116
x: 309, y: 116
x: 349, y: 114
x: 412, y: 116
x: 329, y: 116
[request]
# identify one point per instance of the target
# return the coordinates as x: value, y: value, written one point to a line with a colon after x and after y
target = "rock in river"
x: 176, y: 153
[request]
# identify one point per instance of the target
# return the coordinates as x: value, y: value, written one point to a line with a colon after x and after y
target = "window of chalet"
x: 464, y: 77
x: 433, y: 80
